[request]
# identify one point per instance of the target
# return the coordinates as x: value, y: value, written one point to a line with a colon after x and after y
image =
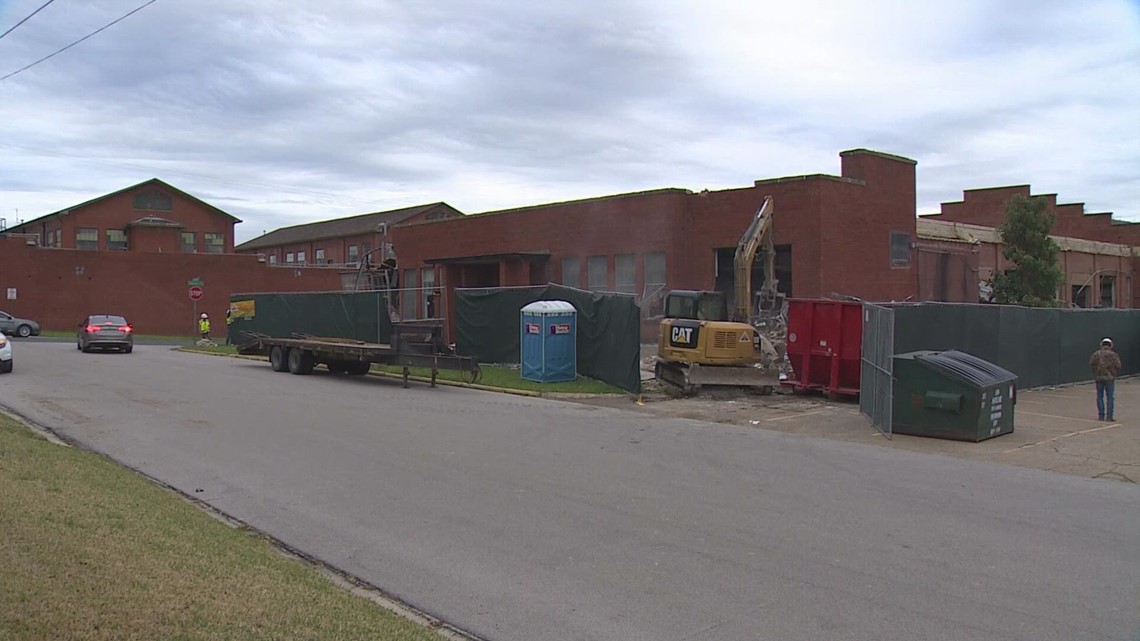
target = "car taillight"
x: 91, y: 329
x: 125, y: 328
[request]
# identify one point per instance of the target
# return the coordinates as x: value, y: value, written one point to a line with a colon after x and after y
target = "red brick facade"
x: 58, y: 287
x: 987, y: 207
x: 150, y: 217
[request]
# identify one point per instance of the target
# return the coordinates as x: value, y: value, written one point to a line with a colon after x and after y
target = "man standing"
x: 1105, y: 364
x: 229, y: 322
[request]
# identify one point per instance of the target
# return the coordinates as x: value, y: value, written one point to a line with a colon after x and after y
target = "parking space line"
x: 1064, y: 418
x: 781, y: 418
x: 1057, y: 438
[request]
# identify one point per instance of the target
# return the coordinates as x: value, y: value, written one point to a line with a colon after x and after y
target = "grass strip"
x: 92, y: 550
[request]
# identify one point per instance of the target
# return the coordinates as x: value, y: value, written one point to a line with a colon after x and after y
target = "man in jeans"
x: 1105, y: 365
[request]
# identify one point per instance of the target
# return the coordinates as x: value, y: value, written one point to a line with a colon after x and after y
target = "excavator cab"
x: 696, y: 305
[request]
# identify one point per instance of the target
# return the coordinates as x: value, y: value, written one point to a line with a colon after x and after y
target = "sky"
x: 282, y: 112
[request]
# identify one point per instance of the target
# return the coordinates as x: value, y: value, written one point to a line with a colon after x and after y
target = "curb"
x: 438, y: 381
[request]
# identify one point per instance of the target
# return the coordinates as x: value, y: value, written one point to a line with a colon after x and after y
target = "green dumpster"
x: 951, y: 395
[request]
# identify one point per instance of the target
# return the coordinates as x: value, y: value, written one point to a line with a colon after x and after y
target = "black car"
x: 106, y: 332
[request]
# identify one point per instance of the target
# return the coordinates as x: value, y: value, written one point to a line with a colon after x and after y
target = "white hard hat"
x: 1106, y: 341
x: 205, y: 315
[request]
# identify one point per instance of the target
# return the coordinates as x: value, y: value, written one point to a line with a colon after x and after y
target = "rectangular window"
x: 87, y: 238
x: 289, y: 258
x: 597, y: 273
x: 900, y: 249
x: 215, y: 243
x: 625, y: 274
x: 654, y: 270
x: 353, y: 255
x: 427, y: 282
x: 58, y: 238
x: 1080, y: 296
x: 273, y: 259
x: 301, y: 257
x: 572, y: 272
x: 189, y: 242
x: 116, y: 239
x: 410, y: 293
x: 320, y: 257
x: 1108, y: 291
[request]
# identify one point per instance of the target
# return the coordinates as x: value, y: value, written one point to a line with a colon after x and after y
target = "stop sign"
x: 195, y: 293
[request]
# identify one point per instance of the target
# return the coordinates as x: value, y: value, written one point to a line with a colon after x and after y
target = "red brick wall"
x: 856, y: 221
x: 57, y: 287
x: 987, y: 207
x: 636, y: 223
x: 117, y: 211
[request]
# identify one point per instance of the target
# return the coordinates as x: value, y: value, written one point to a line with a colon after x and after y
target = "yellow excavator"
x: 701, y: 345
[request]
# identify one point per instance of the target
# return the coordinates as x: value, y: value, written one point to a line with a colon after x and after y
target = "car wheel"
x: 300, y: 361
x: 128, y: 348
x: 24, y: 331
x: 6, y: 366
x: 279, y: 358
x: 79, y: 346
x: 86, y: 349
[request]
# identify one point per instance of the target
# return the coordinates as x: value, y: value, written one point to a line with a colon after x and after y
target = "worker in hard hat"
x: 204, y: 326
x: 1105, y: 365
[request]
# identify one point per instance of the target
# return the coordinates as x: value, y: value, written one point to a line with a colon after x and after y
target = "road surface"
x: 527, y: 519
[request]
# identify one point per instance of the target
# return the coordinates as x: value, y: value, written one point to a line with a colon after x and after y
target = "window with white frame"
x: 215, y: 243
x: 87, y: 238
x: 319, y: 256
x: 116, y: 239
x: 289, y: 258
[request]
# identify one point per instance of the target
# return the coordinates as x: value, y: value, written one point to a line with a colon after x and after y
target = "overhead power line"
x: 26, y: 19
x: 100, y: 29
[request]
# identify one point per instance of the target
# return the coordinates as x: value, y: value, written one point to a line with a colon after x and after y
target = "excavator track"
x: 685, y: 379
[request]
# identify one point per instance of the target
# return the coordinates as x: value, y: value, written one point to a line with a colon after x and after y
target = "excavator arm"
x: 758, y: 236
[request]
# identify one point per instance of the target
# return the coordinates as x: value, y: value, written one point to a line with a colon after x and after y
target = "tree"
x: 1033, y: 278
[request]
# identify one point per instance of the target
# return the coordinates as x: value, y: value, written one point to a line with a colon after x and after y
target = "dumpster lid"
x: 549, y: 307
x: 968, y: 367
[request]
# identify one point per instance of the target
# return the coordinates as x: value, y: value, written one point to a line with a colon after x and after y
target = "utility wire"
x: 59, y: 51
x: 26, y: 19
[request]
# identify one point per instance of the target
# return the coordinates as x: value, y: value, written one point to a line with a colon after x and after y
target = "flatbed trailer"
x: 301, y: 353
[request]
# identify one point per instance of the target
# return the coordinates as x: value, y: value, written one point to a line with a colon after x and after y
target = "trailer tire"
x: 336, y: 367
x: 358, y: 368
x: 301, y: 361
x: 279, y: 358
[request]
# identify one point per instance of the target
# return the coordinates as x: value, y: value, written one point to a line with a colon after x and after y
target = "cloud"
x: 289, y: 111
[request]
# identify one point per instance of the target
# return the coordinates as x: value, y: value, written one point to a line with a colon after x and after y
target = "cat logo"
x: 682, y: 336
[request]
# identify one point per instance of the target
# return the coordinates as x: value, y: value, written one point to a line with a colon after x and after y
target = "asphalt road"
x: 519, y: 518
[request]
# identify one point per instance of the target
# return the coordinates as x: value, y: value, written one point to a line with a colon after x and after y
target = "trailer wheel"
x: 300, y: 361
x: 279, y: 358
x: 336, y: 367
x: 358, y: 368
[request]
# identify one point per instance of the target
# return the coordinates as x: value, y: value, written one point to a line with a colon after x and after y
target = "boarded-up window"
x: 1108, y: 291
x: 87, y: 238
x: 572, y: 272
x: 625, y: 274
x: 216, y: 244
x: 116, y: 239
x: 900, y: 249
x: 654, y: 271
x: 153, y: 200
x: 597, y: 273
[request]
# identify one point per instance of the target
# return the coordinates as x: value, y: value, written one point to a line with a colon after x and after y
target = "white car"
x: 5, y: 354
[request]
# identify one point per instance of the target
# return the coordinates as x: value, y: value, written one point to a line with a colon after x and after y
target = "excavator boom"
x: 757, y: 236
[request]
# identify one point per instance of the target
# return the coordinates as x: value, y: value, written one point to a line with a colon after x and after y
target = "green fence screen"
x: 1042, y: 346
x: 357, y: 315
x: 609, y: 329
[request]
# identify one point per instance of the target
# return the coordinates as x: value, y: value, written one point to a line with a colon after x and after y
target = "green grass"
x: 91, y: 550
x: 506, y: 377
x: 493, y: 376
x: 70, y: 333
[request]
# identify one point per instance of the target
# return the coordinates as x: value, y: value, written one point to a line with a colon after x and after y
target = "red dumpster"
x: 824, y: 344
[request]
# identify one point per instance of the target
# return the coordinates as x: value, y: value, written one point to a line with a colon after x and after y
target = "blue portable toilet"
x: 548, y: 345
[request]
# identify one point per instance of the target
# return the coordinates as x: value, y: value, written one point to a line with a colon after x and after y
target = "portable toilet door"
x: 548, y: 345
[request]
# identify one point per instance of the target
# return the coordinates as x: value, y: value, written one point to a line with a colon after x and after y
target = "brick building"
x: 341, y: 241
x: 848, y: 234
x: 152, y: 217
